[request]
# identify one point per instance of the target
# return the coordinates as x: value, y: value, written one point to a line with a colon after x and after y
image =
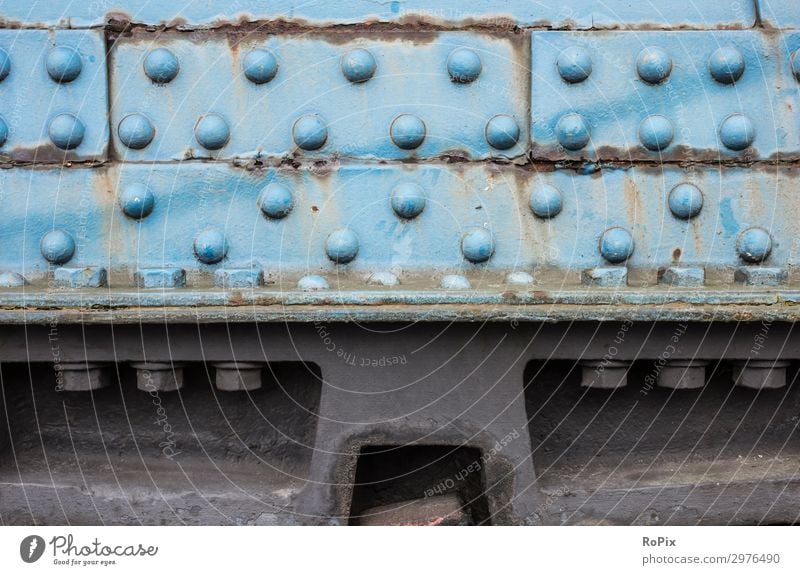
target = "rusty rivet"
x: 685, y: 201
x: 737, y: 132
x: 464, y: 66
x: 309, y: 132
x: 161, y: 66
x: 574, y: 64
x: 726, y: 65
x: 57, y: 246
x: 63, y: 64
x: 502, y: 132
x: 358, y: 65
x: 212, y: 132
x: 210, y: 246
x: 616, y: 245
x: 136, y: 131
x: 656, y: 133
x: 260, y: 66
x: 66, y: 131
x: 754, y: 245
x: 653, y: 65
x: 5, y: 64
x: 477, y: 245
x: 342, y: 246
x: 407, y: 131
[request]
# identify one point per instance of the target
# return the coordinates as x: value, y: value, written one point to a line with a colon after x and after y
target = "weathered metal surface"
x: 582, y: 14
x: 779, y: 13
x: 388, y: 96
x: 665, y: 96
x: 53, y: 96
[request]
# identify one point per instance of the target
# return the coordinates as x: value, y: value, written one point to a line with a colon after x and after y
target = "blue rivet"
x: 358, y: 65
x: 616, y: 245
x: 464, y: 66
x: 519, y: 278
x: 574, y: 64
x: 3, y: 132
x: 477, y: 245
x: 653, y: 65
x: 57, y: 247
x: 545, y: 201
x: 407, y: 131
x: 309, y: 132
x: 656, y: 133
x: 5, y: 64
x: 276, y: 201
x: 685, y: 201
x: 754, y: 245
x: 572, y: 132
x: 312, y: 283
x: 161, y: 66
x: 137, y: 201
x: 342, y: 246
x: 66, y: 131
x: 386, y: 279
x: 210, y: 246
x: 737, y: 132
x: 212, y: 132
x: 726, y: 65
x: 455, y: 282
x: 260, y: 66
x: 63, y: 64
x: 408, y: 200
x: 136, y: 131
x: 795, y: 65
x: 502, y: 132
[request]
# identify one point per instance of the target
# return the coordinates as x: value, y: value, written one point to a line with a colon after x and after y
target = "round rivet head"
x: 502, y: 132
x: 309, y: 132
x: 407, y: 131
x: 794, y: 63
x: 210, y: 246
x: 685, y: 201
x: 136, y: 131
x: 212, y: 132
x: 137, y: 201
x: 408, y: 200
x: 5, y: 64
x: 464, y: 66
x: 616, y: 245
x: 260, y: 66
x: 358, y: 65
x: 66, y: 131
x: 386, y: 279
x: 653, y: 65
x: 574, y: 64
x: 455, y: 282
x: 161, y: 66
x: 737, y: 132
x: 477, y: 245
x: 656, y: 133
x: 57, y: 247
x: 63, y: 64
x: 726, y: 65
x: 276, y: 201
x: 754, y: 245
x: 545, y: 201
x: 342, y: 246
x: 312, y: 283
x: 3, y: 132
x: 572, y: 132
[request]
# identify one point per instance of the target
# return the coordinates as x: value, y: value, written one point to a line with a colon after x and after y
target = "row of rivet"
x: 726, y: 65
x: 309, y: 132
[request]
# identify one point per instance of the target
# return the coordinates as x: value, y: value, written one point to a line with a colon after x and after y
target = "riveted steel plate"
x: 409, y: 83
x: 583, y: 14
x: 345, y: 224
x: 53, y: 96
x: 653, y: 96
x: 779, y: 13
